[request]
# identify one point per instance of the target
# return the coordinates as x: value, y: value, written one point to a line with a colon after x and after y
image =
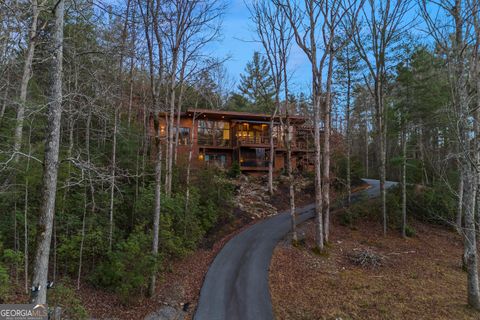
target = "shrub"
x: 4, y: 284
x: 127, y: 269
x: 234, y: 171
x: 339, y: 168
x: 65, y: 297
x: 12, y: 260
x: 348, y: 217
x: 432, y: 204
x: 409, y: 231
x: 363, y: 209
x: 8, y: 258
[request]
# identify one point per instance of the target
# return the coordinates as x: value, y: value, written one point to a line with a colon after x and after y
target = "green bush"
x: 234, y: 171
x: 434, y: 204
x: 94, y: 249
x: 12, y: 260
x: 409, y: 231
x: 127, y: 269
x: 348, y: 217
x: 65, y: 297
x: 4, y: 284
x: 8, y: 260
x: 339, y: 168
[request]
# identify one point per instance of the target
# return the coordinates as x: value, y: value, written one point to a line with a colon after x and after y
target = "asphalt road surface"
x: 236, y: 285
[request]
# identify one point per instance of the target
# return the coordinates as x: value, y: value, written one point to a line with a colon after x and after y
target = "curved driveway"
x: 236, y: 285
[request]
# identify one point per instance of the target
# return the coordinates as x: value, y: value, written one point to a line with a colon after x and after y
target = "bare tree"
x: 275, y: 35
x: 150, y: 21
x: 404, y: 180
x: 187, y: 23
x: 315, y: 25
x: 452, y: 24
x: 50, y: 172
x: 304, y: 24
x: 381, y: 27
x: 26, y: 75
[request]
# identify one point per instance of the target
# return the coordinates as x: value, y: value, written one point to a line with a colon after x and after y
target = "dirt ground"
x: 420, y: 277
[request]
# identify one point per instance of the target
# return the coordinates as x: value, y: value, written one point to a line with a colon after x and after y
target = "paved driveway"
x: 236, y: 285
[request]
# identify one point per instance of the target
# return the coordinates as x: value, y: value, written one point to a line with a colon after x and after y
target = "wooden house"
x: 222, y: 138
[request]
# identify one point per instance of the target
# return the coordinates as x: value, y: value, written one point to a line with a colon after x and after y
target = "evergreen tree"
x: 257, y: 85
x: 238, y: 102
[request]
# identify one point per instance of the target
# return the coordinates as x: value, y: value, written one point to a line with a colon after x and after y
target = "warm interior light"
x: 200, y: 156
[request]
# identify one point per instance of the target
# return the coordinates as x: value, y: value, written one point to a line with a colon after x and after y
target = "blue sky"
x: 238, y: 43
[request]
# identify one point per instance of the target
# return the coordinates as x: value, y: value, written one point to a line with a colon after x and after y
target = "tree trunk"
x: 326, y: 149
x: 82, y: 241
x: 157, y: 209
x: 458, y: 222
x: 318, y: 177
x: 27, y: 74
x: 179, y: 110
x: 272, y: 148
x: 5, y: 96
x: 50, y: 172
x: 366, y: 147
x: 169, y: 172
x: 189, y: 165
x: 25, y: 231
x: 347, y: 133
x: 112, y: 181
x: 15, y: 240
x: 25, y: 212
x: 291, y: 180
x: 470, y: 241
x: 404, y: 183
x: 381, y: 148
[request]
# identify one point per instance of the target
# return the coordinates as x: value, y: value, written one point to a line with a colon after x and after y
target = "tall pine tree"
x: 257, y: 85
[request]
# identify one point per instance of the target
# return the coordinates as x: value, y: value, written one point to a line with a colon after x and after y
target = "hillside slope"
x: 419, y: 277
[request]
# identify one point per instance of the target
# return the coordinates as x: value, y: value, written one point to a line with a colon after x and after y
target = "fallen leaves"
x: 422, y: 279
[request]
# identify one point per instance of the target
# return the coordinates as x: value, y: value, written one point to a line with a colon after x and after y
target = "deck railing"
x: 210, y: 141
x: 265, y: 140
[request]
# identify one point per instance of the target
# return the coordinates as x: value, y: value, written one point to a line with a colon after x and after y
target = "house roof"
x: 238, y: 115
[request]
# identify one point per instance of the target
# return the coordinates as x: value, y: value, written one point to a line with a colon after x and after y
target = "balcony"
x: 253, y: 140
x: 256, y: 141
x: 213, y: 142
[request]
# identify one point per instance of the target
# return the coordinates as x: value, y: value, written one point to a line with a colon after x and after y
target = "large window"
x: 253, y: 133
x: 222, y: 133
x: 183, y: 136
x: 215, y: 133
x: 255, y: 157
x: 219, y: 160
x: 205, y: 132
